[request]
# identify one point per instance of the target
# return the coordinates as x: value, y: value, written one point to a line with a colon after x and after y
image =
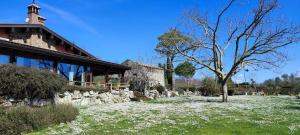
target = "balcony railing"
x: 109, y: 86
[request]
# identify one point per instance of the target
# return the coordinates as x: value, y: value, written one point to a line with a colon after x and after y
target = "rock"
x: 174, y: 93
x: 152, y: 94
x: 76, y: 95
x: 130, y: 94
x: 67, y: 93
x: 189, y: 93
x: 185, y: 93
x: 85, y: 101
x: 92, y: 92
x: 167, y: 93
x: 6, y: 104
x: 40, y: 102
x: 156, y: 95
x: 67, y: 99
x: 115, y: 92
x: 21, y: 103
x: 11, y: 100
x: 106, y: 97
x: 86, y: 94
x: 197, y: 93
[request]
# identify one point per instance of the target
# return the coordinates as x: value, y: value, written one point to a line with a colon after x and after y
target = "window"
x: 71, y: 72
x: 45, y: 64
x: 4, y: 59
x: 77, y: 70
x: 34, y: 63
x: 87, y: 74
x: 64, y: 70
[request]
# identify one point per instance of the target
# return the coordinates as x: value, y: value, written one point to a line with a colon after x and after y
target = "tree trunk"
x: 173, y: 80
x: 172, y: 75
x: 224, y: 92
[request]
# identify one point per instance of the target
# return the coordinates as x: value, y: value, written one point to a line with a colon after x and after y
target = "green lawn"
x: 252, y: 115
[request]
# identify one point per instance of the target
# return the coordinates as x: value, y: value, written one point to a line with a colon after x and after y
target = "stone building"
x: 154, y: 74
x: 36, y: 46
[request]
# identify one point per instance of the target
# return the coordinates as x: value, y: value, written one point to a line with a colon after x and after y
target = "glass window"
x: 77, y: 70
x: 64, y: 70
x: 4, y: 59
x: 45, y: 64
x: 24, y: 62
x: 87, y: 74
x: 34, y: 63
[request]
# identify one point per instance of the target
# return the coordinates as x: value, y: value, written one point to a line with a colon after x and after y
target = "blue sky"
x: 116, y: 30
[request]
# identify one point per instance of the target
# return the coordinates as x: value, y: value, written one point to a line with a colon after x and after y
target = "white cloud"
x: 70, y: 18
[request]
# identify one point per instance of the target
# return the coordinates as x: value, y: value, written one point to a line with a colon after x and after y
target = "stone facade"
x: 33, y: 38
x: 154, y: 74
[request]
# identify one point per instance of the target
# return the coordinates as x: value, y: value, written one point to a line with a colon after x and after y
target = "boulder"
x: 152, y: 94
x: 106, y: 97
x: 189, y: 93
x: 174, y: 93
x: 76, y: 95
x: 40, y: 102
x: 67, y: 99
x: 86, y: 94
x: 84, y: 102
x: 92, y: 92
x: 6, y: 104
x: 130, y: 94
x: 167, y: 93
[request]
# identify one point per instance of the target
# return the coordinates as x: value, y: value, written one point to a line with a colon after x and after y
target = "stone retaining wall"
x: 93, y: 98
x: 75, y: 98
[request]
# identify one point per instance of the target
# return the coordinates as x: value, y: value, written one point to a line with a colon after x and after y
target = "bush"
x: 16, y: 120
x: 190, y: 88
x: 138, y: 85
x: 160, y: 88
x: 231, y: 92
x: 20, y: 83
x: 210, y: 87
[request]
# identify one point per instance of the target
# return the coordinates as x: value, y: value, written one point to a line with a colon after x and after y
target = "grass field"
x: 243, y: 115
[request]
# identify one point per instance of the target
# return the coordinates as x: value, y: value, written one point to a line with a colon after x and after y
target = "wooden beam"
x: 91, y: 74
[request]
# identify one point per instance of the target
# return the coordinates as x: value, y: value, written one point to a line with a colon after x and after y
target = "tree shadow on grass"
x: 293, y: 107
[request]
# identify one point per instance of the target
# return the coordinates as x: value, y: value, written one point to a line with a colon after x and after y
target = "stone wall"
x: 75, y: 98
x: 154, y: 74
x: 93, y: 98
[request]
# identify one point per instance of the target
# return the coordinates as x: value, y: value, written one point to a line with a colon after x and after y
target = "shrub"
x: 160, y: 88
x: 138, y: 85
x: 180, y: 91
x: 231, y: 92
x: 20, y: 82
x: 210, y: 87
x: 190, y: 88
x: 16, y: 120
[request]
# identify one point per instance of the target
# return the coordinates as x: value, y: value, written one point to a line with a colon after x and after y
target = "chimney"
x: 33, y: 14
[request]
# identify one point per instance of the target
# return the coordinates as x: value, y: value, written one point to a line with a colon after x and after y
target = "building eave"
x: 48, y: 30
x: 60, y: 55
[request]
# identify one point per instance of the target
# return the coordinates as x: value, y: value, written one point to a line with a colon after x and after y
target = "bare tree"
x: 255, y: 42
x: 138, y: 76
